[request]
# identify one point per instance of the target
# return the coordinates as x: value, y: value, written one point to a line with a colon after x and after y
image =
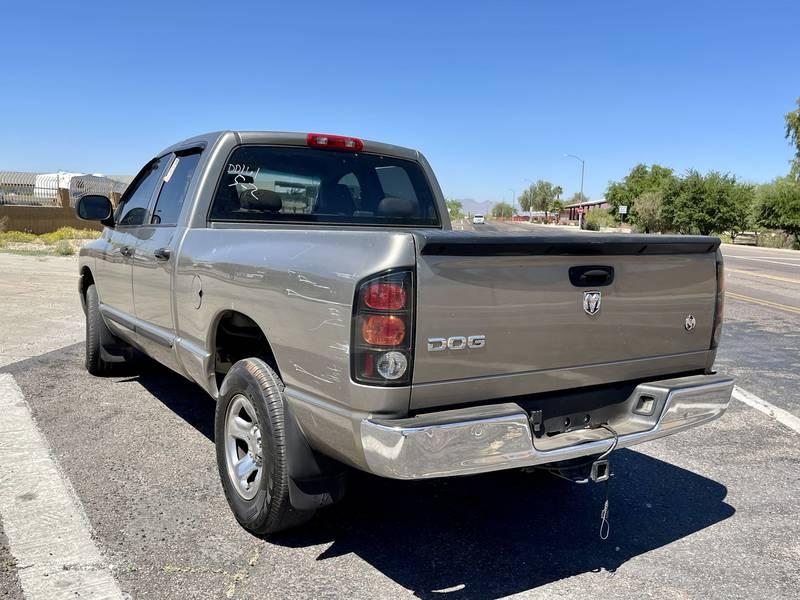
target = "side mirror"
x: 94, y: 207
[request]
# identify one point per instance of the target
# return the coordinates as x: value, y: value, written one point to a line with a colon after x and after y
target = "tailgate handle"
x: 591, y: 276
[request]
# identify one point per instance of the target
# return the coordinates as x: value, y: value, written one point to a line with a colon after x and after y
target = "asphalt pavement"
x: 710, y: 513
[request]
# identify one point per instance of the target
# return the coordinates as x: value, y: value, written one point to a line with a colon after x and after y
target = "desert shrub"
x: 597, y: 218
x: 18, y: 236
x: 64, y: 248
x: 68, y: 233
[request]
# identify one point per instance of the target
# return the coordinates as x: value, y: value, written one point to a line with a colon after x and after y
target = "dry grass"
x: 62, y: 242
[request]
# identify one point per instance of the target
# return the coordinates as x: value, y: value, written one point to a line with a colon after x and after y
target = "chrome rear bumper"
x: 490, y: 438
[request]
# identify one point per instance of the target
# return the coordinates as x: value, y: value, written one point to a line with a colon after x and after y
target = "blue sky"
x: 492, y: 92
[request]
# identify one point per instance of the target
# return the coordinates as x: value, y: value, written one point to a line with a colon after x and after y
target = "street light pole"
x: 583, y: 165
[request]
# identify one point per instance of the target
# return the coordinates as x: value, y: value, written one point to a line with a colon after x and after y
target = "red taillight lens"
x: 385, y: 296
x: 383, y: 330
x: 382, y: 348
x: 334, y: 142
x: 368, y: 365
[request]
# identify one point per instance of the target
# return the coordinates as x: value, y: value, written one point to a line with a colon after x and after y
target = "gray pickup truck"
x: 312, y: 284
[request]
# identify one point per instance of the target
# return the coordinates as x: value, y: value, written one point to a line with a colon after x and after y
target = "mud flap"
x: 314, y: 480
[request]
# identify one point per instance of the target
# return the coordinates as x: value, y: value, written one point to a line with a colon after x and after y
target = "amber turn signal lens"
x: 383, y: 330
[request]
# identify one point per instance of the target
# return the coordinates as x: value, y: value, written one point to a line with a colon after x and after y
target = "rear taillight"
x: 719, y: 305
x: 334, y: 142
x: 382, y: 348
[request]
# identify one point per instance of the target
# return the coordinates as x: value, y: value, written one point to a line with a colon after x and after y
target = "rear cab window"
x: 307, y: 185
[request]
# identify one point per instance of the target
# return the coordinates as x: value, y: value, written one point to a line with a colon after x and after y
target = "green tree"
x: 558, y: 191
x: 743, y: 218
x: 525, y: 199
x: 640, y: 180
x: 539, y: 196
x: 779, y: 206
x: 544, y: 193
x: 649, y: 217
x: 793, y: 135
x: 578, y: 197
x: 454, y: 207
x: 557, y: 207
x: 502, y: 210
x: 702, y: 203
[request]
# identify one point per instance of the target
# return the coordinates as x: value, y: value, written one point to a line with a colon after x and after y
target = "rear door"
x: 154, y: 259
x: 542, y: 329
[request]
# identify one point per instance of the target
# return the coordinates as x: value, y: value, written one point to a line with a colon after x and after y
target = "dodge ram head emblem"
x: 591, y: 303
x: 690, y: 323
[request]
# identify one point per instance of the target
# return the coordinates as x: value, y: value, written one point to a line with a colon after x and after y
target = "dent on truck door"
x: 154, y: 260
x: 114, y: 270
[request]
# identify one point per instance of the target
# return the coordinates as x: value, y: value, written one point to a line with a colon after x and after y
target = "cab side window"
x: 132, y: 209
x: 173, y: 192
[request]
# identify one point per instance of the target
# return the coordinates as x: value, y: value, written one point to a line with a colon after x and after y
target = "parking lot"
x: 711, y: 513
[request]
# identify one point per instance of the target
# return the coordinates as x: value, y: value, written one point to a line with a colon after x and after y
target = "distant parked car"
x: 478, y: 220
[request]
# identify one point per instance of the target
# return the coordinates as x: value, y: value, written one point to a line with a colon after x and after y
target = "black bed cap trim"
x: 563, y: 244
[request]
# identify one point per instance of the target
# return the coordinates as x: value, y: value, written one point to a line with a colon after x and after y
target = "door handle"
x: 162, y: 254
x: 126, y: 251
x: 591, y: 276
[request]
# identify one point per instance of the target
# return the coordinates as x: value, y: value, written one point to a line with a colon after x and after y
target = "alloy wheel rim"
x: 243, y: 447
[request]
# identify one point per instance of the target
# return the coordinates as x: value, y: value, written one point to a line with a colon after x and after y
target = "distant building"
x: 572, y: 212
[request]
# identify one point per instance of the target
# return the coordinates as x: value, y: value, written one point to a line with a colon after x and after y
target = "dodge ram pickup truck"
x: 312, y: 285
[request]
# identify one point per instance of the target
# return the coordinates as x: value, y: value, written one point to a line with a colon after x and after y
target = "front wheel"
x: 250, y: 436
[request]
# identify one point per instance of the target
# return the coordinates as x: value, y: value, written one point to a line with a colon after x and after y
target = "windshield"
x: 302, y: 185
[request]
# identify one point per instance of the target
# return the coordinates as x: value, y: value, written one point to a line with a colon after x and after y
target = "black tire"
x: 99, y: 340
x: 270, y: 510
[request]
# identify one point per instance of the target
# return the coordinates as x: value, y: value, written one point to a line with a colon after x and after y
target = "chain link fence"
x: 42, y: 189
x: 28, y: 189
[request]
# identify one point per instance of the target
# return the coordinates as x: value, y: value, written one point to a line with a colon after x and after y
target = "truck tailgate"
x: 539, y: 333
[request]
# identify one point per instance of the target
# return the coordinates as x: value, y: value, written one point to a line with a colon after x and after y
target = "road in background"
x: 764, y: 277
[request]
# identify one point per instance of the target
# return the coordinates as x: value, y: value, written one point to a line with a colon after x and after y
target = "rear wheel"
x: 249, y: 432
x: 103, y: 348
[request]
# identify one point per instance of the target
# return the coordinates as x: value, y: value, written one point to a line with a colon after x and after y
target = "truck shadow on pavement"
x: 491, y: 535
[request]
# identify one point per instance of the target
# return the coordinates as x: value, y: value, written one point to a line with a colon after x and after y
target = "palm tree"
x: 558, y: 191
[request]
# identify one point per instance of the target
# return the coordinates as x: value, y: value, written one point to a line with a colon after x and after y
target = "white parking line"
x: 47, y: 530
x: 781, y: 416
